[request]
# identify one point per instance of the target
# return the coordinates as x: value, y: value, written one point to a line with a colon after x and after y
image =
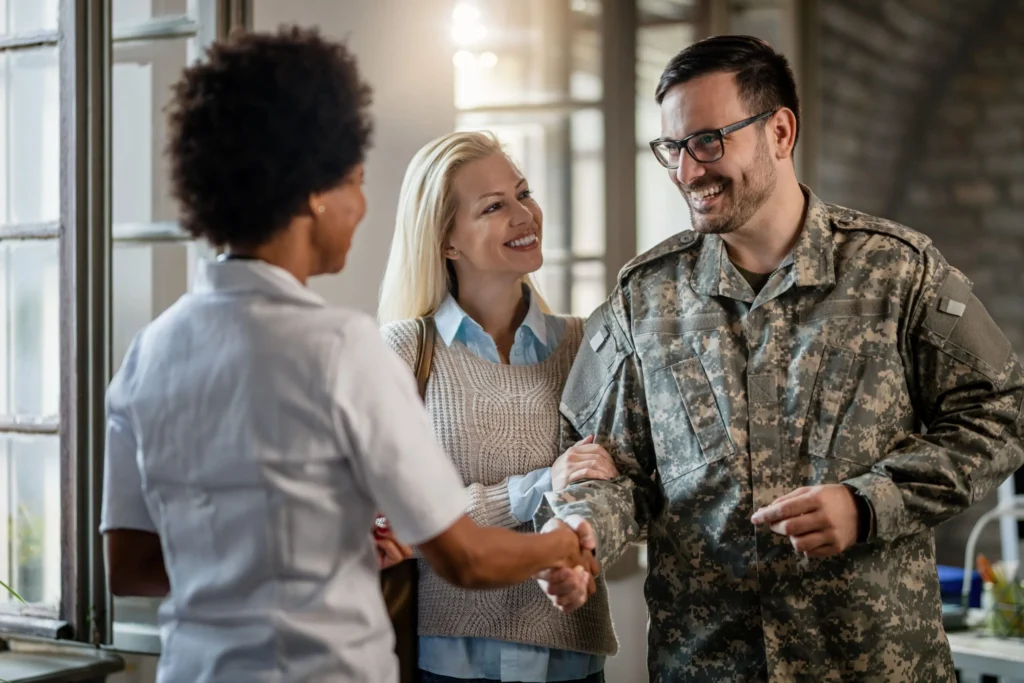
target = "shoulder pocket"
x: 600, y: 355
x: 961, y: 327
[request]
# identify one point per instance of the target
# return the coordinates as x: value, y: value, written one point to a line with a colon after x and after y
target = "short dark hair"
x: 266, y: 120
x: 763, y: 75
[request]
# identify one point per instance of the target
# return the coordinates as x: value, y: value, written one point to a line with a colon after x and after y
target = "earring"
x: 453, y: 252
x: 321, y: 208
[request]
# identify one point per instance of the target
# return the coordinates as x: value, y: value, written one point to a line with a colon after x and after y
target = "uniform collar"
x: 252, y: 276
x: 811, y: 257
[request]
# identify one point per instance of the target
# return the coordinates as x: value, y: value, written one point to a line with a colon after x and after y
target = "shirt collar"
x: 535, y: 320
x: 253, y: 276
x: 811, y: 256
x: 450, y: 319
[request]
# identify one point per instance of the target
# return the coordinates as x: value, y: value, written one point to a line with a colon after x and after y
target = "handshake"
x: 568, y: 576
x: 570, y: 588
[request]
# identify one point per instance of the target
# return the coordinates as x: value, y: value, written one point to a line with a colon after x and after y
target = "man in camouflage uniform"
x: 795, y: 394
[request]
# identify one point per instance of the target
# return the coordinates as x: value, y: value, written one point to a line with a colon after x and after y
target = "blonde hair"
x: 417, y: 277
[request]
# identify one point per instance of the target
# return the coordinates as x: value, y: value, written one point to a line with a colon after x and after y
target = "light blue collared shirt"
x: 498, y: 660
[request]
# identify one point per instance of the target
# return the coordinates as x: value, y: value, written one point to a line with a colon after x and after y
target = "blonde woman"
x: 467, y: 238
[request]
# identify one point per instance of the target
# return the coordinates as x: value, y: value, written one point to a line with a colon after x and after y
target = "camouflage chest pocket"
x: 856, y: 407
x: 687, y: 425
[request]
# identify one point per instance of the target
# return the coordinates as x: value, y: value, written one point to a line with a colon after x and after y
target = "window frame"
x: 207, y: 21
x: 84, y: 41
x: 33, y: 621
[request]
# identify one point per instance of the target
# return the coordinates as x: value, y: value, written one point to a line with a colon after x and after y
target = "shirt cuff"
x: 526, y: 492
x: 865, y: 515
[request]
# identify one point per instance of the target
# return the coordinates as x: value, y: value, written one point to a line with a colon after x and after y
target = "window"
x: 664, y: 28
x: 30, y: 378
x: 89, y: 252
x: 153, y: 259
x: 529, y: 71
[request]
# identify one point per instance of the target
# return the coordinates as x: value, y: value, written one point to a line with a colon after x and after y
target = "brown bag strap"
x: 426, y: 355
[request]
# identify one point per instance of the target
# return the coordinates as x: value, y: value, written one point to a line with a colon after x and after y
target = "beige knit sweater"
x: 496, y: 421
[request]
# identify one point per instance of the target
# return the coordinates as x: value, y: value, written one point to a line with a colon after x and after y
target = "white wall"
x: 403, y: 51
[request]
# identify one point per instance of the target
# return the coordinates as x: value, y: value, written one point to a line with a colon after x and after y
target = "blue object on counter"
x: 951, y: 584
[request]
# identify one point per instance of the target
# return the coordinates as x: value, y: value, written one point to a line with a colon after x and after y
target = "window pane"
x: 585, y: 80
x: 552, y: 282
x: 525, y: 51
x: 768, y: 21
x: 136, y: 625
x: 660, y: 210
x: 588, y: 230
x: 30, y: 329
x: 28, y: 16
x: 588, y: 288
x: 137, y: 11
x: 30, y: 144
x: 656, y: 46
x: 30, y: 541
x: 144, y: 72
x: 148, y: 278
x: 661, y: 10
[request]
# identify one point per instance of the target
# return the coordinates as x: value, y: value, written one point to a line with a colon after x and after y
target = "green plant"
x: 29, y: 535
x: 12, y: 592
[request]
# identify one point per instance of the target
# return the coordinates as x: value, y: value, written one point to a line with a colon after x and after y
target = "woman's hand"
x: 389, y: 551
x: 585, y: 460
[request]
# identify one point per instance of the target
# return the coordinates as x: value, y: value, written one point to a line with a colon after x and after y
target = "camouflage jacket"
x: 864, y: 360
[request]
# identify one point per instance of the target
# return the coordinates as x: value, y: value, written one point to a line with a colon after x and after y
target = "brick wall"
x: 922, y: 115
x: 879, y: 59
x: 965, y: 187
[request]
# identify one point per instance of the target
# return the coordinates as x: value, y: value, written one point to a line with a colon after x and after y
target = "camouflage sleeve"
x: 967, y: 387
x: 604, y: 396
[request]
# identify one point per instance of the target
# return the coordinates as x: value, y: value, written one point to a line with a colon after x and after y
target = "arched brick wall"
x: 922, y: 116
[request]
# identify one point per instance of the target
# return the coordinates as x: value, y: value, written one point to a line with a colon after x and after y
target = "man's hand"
x: 820, y: 521
x: 569, y: 588
x: 584, y: 460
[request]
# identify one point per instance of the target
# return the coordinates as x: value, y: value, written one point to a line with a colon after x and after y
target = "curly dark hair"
x: 262, y: 123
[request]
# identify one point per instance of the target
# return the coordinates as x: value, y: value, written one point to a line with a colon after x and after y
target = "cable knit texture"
x: 496, y: 421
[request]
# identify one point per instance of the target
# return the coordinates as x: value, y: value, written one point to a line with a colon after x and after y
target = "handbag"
x: 399, y: 583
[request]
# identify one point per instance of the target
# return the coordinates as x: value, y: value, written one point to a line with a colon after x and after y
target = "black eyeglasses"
x: 704, y: 146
